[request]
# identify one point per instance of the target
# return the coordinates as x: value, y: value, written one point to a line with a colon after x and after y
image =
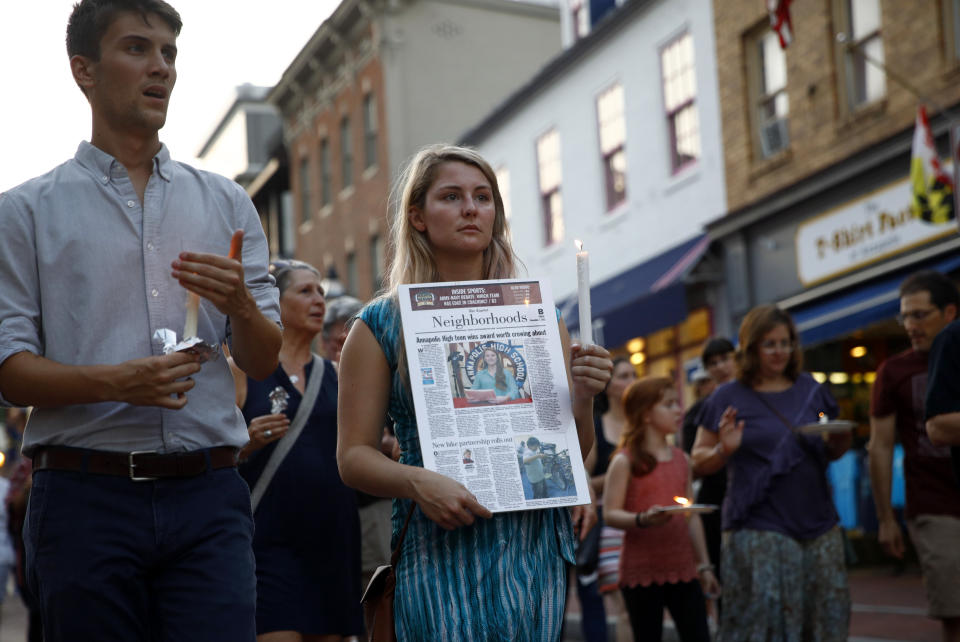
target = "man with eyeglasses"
x: 929, y: 301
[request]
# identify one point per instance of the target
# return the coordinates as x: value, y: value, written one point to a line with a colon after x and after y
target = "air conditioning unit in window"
x: 774, y: 137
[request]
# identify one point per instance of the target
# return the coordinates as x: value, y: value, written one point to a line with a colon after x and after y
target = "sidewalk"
x: 887, y: 607
x: 13, y: 620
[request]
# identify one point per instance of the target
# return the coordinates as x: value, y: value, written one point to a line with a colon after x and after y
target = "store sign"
x: 869, y: 229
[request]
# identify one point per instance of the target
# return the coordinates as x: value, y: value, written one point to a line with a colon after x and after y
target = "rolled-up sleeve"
x: 20, y: 320
x: 256, y: 259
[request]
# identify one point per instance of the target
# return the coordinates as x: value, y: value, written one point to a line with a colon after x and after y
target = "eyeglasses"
x: 784, y: 345
x: 915, y: 315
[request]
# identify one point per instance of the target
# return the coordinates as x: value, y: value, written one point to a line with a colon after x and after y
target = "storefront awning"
x: 845, y: 312
x: 643, y: 299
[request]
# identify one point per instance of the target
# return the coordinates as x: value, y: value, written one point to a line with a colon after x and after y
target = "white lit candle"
x: 193, y: 309
x: 583, y: 293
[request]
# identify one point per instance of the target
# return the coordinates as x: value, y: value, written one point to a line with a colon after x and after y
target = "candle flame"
x: 683, y: 501
x: 820, y: 415
x: 579, y: 245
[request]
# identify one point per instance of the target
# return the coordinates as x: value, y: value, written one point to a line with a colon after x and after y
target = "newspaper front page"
x: 490, y: 391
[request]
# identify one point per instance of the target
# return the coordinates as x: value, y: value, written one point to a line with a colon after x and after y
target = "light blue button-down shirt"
x: 86, y: 279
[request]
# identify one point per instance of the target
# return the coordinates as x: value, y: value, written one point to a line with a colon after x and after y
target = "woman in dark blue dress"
x: 307, y: 540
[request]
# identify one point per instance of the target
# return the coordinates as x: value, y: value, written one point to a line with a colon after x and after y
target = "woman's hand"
x: 653, y: 516
x: 591, y: 368
x: 584, y: 519
x: 709, y: 582
x: 730, y: 431
x: 265, y: 429
x: 445, y: 501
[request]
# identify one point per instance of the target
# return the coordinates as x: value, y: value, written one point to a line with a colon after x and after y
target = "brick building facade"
x: 378, y: 80
x: 824, y: 128
x: 817, y: 146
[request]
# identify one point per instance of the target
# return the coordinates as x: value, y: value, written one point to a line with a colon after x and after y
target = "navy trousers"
x: 110, y: 559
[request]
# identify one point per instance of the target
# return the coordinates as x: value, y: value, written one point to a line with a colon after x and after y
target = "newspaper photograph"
x: 490, y: 391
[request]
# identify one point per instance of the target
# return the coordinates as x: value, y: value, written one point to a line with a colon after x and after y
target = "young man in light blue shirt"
x: 146, y: 525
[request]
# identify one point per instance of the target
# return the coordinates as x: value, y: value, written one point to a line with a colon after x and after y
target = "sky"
x: 44, y: 116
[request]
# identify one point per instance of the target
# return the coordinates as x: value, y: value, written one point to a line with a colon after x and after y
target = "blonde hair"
x: 413, y: 260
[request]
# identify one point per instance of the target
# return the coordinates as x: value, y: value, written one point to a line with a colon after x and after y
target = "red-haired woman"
x: 663, y: 554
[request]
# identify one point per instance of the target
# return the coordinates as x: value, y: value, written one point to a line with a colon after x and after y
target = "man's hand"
x: 218, y: 279
x: 154, y: 381
x: 891, y: 537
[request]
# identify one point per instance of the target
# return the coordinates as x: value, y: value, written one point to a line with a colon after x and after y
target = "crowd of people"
x: 260, y: 509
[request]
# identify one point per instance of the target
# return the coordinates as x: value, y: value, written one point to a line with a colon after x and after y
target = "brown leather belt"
x: 138, y: 466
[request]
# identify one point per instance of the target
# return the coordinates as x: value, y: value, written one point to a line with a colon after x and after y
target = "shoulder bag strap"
x: 807, y: 447
x: 395, y: 556
x: 296, y: 427
x: 771, y: 408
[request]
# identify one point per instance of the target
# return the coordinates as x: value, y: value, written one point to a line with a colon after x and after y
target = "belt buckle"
x: 133, y: 465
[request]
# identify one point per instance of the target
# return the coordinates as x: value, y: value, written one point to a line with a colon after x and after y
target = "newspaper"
x: 490, y: 390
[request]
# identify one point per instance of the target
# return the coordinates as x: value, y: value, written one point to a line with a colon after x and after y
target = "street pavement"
x: 889, y: 605
x: 13, y: 620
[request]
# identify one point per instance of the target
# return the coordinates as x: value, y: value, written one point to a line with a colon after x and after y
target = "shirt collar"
x: 105, y: 166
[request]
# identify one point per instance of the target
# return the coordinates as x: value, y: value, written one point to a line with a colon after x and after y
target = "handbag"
x: 377, y: 600
x: 588, y: 550
x: 296, y: 427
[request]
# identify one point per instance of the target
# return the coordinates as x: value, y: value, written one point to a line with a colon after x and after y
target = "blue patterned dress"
x: 500, y: 579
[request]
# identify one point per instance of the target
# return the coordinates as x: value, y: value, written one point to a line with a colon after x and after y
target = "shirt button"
x: 104, y: 179
x: 130, y: 203
x: 155, y: 292
x: 150, y: 246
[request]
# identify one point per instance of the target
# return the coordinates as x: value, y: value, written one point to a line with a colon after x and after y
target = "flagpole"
x: 952, y: 120
x: 950, y: 115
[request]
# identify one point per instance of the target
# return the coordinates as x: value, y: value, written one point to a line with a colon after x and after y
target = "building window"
x: 325, y: 191
x: 678, y: 75
x: 503, y: 183
x: 860, y: 22
x: 580, y: 17
x: 613, y: 136
x: 369, y: 130
x: 352, y: 274
x: 305, y: 213
x: 376, y: 261
x: 550, y: 176
x: 346, y: 153
x: 768, y: 93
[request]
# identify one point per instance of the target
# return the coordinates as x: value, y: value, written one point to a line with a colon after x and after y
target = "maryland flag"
x: 932, y: 199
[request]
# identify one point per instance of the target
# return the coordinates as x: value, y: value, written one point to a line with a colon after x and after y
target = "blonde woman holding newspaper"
x: 463, y: 573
